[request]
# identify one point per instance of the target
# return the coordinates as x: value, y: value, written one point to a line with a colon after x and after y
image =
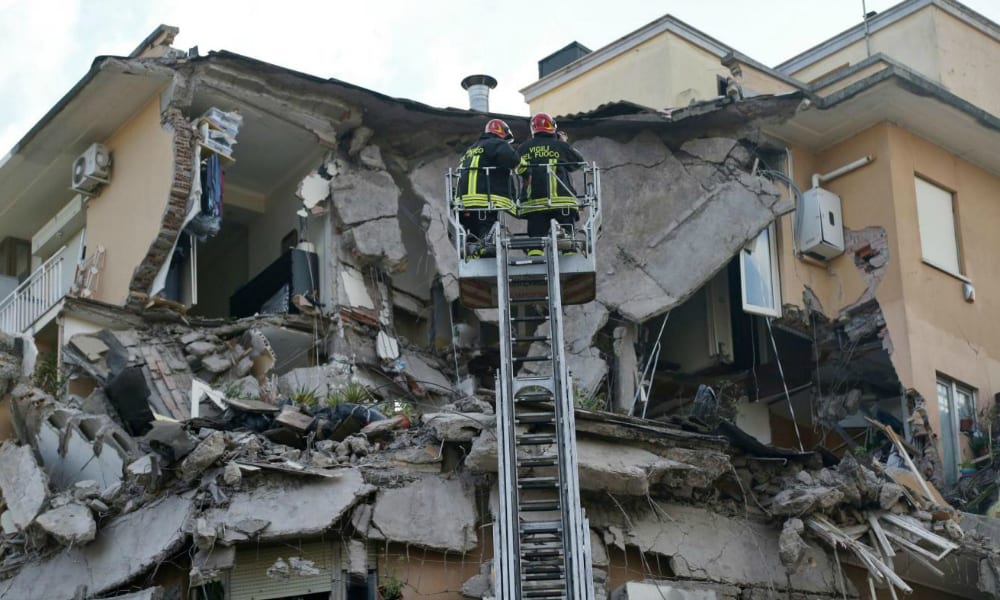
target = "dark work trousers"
x: 538, y: 223
x: 477, y: 222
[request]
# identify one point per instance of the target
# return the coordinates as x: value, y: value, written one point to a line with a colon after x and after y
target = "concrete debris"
x: 800, y: 501
x: 279, y: 570
x: 24, y: 485
x: 207, y: 452
x: 357, y: 558
x: 154, y: 593
x: 432, y: 512
x: 70, y: 525
x: 479, y: 586
x: 302, y: 567
x: 791, y: 546
x: 458, y: 427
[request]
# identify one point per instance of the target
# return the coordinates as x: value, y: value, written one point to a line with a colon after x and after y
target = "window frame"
x: 756, y: 309
x: 959, y: 269
x: 951, y: 432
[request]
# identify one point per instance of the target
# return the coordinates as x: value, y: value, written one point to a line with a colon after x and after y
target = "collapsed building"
x: 296, y: 403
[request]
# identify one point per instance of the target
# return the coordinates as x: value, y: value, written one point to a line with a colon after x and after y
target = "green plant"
x: 234, y: 389
x: 861, y: 452
x: 979, y: 441
x: 352, y: 393
x: 391, y: 587
x: 47, y: 376
x: 967, y: 465
x: 596, y: 401
x: 305, y: 396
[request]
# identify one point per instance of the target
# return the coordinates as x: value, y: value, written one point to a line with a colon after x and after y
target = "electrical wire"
x: 781, y: 372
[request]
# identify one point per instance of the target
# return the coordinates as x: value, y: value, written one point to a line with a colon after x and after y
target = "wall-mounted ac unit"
x: 821, y: 226
x: 91, y: 170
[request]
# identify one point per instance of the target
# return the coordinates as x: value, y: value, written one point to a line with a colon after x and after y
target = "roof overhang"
x: 901, y: 96
x: 35, y: 174
x: 883, y: 20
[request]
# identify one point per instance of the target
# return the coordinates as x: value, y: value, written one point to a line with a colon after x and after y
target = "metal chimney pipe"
x: 479, y: 87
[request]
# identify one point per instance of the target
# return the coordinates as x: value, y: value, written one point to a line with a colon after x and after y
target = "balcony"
x: 41, y: 291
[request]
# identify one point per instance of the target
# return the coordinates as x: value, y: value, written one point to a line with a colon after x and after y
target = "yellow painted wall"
x: 933, y: 329
x: 935, y: 44
x: 666, y: 71
x: 126, y: 216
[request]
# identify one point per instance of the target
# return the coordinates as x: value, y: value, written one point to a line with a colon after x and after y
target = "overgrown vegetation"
x: 596, y: 401
x: 304, y: 395
x: 47, y: 376
x: 390, y: 587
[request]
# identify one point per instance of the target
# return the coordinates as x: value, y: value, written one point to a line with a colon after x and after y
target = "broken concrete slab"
x: 70, y: 525
x: 426, y: 183
x: 676, y: 590
x: 379, y: 242
x: 24, y: 485
x: 432, y: 512
x: 458, y: 427
x: 706, y: 545
x: 361, y: 196
x: 208, y: 451
x: 154, y: 593
x: 425, y: 375
x: 289, y: 504
x: 123, y: 549
x: 714, y: 150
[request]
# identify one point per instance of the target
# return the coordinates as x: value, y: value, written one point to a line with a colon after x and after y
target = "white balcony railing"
x: 36, y: 295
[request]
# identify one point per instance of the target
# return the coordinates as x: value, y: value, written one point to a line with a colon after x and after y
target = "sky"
x: 413, y: 49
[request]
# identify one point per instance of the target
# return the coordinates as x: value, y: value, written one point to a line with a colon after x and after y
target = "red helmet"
x: 542, y: 123
x: 499, y: 128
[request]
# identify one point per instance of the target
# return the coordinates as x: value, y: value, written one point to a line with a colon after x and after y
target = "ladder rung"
x: 537, y: 482
x: 530, y: 319
x: 532, y: 299
x: 546, y: 460
x: 536, y: 417
x: 536, y: 439
x: 541, y: 526
x: 531, y: 338
x: 538, y: 505
x: 539, y: 358
x: 528, y: 260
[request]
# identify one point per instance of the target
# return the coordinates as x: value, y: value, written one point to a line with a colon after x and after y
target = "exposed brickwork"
x: 173, y: 217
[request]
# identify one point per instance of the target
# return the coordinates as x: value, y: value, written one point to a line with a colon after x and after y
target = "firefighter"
x: 547, y: 193
x: 486, y: 181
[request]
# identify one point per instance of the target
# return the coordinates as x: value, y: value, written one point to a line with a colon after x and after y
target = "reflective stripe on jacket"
x: 545, y: 166
x: 485, y: 181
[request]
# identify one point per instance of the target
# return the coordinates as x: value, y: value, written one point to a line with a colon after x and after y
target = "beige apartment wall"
x: 933, y: 329
x: 911, y: 41
x: 949, y: 335
x: 970, y: 62
x: 867, y: 196
x: 666, y: 71
x: 757, y: 82
x: 126, y: 216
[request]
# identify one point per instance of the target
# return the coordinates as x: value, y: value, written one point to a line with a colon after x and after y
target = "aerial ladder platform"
x: 541, y: 534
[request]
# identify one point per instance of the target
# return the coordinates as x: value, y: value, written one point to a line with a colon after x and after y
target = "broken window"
x: 759, y: 269
x: 957, y: 405
x: 936, y: 217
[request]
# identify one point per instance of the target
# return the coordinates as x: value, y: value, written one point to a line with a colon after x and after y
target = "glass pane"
x: 965, y: 406
x: 948, y: 456
x: 757, y: 280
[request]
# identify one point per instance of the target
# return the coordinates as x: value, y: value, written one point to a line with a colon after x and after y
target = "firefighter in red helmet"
x: 545, y: 165
x: 485, y: 184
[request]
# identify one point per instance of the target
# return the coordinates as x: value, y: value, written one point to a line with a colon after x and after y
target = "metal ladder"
x: 542, y: 538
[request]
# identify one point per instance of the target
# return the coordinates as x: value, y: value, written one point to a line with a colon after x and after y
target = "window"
x: 957, y: 405
x: 936, y: 216
x: 761, y: 287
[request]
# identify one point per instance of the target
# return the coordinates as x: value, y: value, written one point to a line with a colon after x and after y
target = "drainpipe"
x: 818, y: 178
x: 479, y: 87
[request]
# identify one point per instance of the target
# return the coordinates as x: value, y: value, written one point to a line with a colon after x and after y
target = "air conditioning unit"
x: 821, y: 226
x: 91, y: 170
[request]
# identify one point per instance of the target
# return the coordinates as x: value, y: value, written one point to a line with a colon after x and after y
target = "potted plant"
x: 979, y: 443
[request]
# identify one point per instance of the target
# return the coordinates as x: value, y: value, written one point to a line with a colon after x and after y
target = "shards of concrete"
x: 170, y: 440
x: 302, y: 567
x: 288, y: 505
x: 889, y: 494
x: 24, y: 485
x: 426, y: 182
x: 144, y: 471
x: 675, y: 590
x: 700, y: 223
x: 359, y: 139
x: 371, y: 157
x: 713, y: 150
x: 380, y: 428
x: 86, y: 489
x: 361, y: 195
x: 208, y: 451
x: 632, y: 471
x: 124, y: 548
x: 154, y: 593
x: 626, y: 369
x: 480, y: 585
x: 70, y: 525
x: 703, y: 544
x: 7, y: 523
x: 313, y: 189
x: 216, y: 363
x: 204, y: 535
x: 803, y: 500
x: 69, y: 455
x: 379, y: 242
x: 279, y: 570
x: 458, y: 427
x: 232, y: 475
x: 432, y: 512
x: 791, y: 547
x: 425, y: 375
x: 200, y: 348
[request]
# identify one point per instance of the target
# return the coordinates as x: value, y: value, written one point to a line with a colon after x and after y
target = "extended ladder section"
x: 541, y: 536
